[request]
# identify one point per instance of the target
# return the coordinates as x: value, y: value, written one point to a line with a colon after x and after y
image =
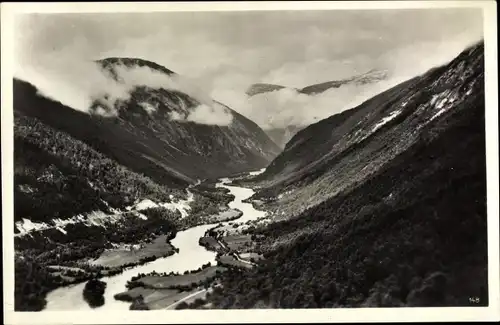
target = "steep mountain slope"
x: 111, y: 63
x: 396, y: 212
x: 281, y: 135
x: 339, y: 152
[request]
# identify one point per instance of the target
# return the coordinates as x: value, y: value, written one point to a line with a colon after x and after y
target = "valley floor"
x: 119, y: 264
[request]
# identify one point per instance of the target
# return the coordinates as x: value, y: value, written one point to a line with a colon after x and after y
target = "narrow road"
x: 222, y: 244
x: 185, y: 298
x: 243, y: 261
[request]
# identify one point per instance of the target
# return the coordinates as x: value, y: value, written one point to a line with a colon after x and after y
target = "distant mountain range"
x: 282, y: 135
x: 381, y: 205
x: 365, y: 78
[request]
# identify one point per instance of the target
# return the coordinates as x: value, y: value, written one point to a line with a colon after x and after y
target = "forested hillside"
x: 341, y: 152
x: 58, y: 176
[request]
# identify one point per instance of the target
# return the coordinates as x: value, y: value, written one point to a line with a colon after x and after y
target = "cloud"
x: 68, y: 76
x: 281, y: 108
x: 225, y: 52
x: 284, y: 107
x: 204, y: 114
x: 73, y: 83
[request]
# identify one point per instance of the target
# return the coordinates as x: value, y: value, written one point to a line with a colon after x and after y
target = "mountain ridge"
x: 370, y: 76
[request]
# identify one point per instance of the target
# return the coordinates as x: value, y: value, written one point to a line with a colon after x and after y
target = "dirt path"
x: 172, y: 306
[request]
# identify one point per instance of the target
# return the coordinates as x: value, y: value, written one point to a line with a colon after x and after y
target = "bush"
x: 182, y: 305
x: 139, y: 304
x: 93, y: 293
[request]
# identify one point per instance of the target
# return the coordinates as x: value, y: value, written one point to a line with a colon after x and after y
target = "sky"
x: 223, y: 53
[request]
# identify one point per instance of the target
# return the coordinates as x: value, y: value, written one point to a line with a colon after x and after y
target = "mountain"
x: 118, y: 159
x: 281, y: 135
x: 359, y: 141
x: 111, y: 63
x: 163, y: 148
x: 124, y: 173
x: 382, y: 205
x: 260, y: 88
x: 371, y: 76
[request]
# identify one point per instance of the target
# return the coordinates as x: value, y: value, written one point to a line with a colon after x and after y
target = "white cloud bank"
x: 69, y: 76
x: 214, y: 114
x: 226, y: 52
x: 78, y: 83
x: 284, y: 107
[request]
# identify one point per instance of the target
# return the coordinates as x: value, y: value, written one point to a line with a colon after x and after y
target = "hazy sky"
x: 226, y: 52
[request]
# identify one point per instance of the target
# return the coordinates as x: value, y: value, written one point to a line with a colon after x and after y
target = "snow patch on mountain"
x: 257, y: 172
x: 25, y: 226
x: 149, y: 108
x: 101, y: 219
x: 145, y: 204
x: 386, y: 120
x: 183, y: 206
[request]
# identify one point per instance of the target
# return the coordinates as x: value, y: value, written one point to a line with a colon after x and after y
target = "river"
x: 191, y: 256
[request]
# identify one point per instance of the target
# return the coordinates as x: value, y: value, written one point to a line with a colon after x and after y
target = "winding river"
x: 191, y: 256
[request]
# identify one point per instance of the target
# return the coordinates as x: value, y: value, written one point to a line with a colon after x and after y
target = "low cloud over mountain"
x: 79, y: 83
x: 292, y: 49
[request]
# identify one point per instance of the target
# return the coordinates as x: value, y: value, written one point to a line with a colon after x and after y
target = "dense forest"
x: 32, y: 283
x: 56, y: 175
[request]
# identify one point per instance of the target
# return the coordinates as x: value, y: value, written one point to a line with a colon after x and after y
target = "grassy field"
x: 230, y: 260
x: 119, y: 257
x: 227, y: 215
x: 211, y: 244
x: 132, y: 294
x: 250, y: 256
x: 167, y: 301
x: 174, y: 281
x: 193, y: 296
x: 156, y: 298
x: 166, y: 291
x: 237, y: 242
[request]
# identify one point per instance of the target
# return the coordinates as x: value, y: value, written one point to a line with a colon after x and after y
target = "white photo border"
x: 490, y: 313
